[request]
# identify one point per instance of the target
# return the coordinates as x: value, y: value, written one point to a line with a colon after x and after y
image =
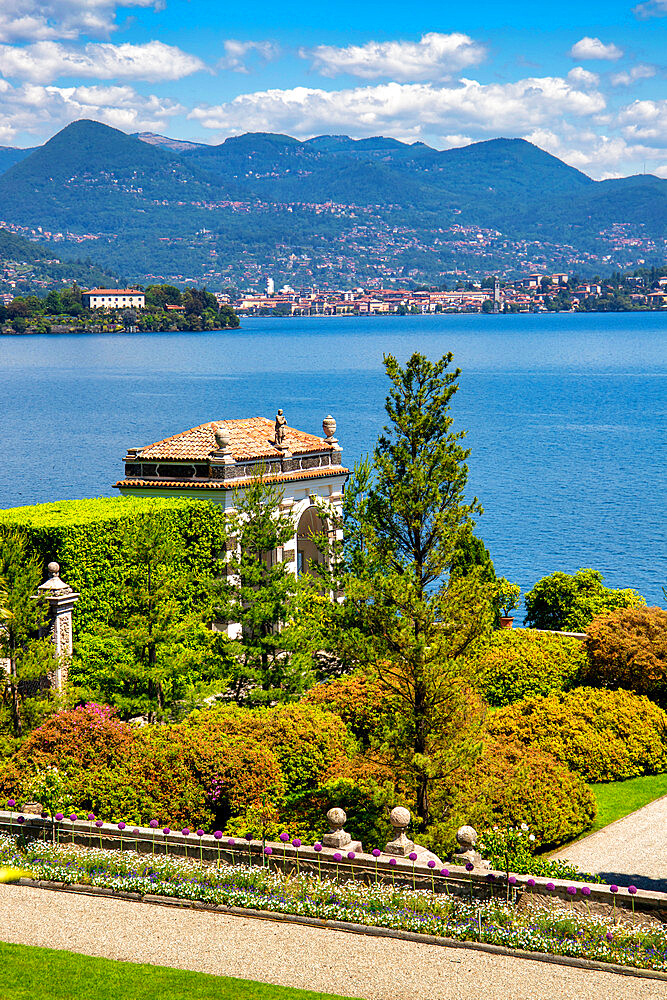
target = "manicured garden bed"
x: 493, y: 920
x: 63, y: 975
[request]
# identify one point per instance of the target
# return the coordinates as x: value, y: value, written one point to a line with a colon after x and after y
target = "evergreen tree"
x: 406, y: 618
x: 254, y: 593
x: 158, y: 645
x: 30, y: 658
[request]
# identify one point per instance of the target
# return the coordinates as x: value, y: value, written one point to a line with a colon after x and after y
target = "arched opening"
x: 310, y: 527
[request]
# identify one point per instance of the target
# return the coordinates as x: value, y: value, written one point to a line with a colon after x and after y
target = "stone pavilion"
x: 216, y: 460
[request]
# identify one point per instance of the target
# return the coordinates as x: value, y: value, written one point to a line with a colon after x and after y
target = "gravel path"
x: 291, y: 955
x: 633, y: 850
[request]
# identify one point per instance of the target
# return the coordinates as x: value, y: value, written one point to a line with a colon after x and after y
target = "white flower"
x: 531, y: 836
x: 524, y: 827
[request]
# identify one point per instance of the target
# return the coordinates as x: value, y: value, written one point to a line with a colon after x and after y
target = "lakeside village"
x: 167, y: 308
x: 250, y: 681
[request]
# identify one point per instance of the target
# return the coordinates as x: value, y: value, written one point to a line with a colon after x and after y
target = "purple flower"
x: 91, y: 816
x: 218, y: 834
x: 73, y: 817
x: 20, y: 819
x: 268, y: 850
x: 230, y: 841
x: 153, y: 824
x: 135, y: 832
x: 572, y: 890
x: 376, y: 852
x: 337, y: 856
x: 613, y: 888
x: 412, y: 856
x: 98, y: 823
x: 444, y: 872
x: 351, y: 855
x: 166, y: 831
x: 392, y: 862
x: 121, y: 825
x: 284, y: 837
x: 185, y: 831
x: 200, y: 833
x: 490, y: 876
x: 11, y: 803
x: 469, y: 865
x: 550, y: 886
x: 609, y: 936
x: 512, y: 880
x: 317, y: 847
x: 248, y: 837
x: 431, y: 863
x: 296, y: 842
x: 58, y: 817
x: 531, y: 882
x: 632, y: 889
x: 585, y: 890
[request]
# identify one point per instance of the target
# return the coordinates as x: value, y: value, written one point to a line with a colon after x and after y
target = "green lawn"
x: 619, y: 798
x: 26, y: 973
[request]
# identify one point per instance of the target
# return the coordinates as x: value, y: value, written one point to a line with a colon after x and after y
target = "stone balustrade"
x: 384, y: 867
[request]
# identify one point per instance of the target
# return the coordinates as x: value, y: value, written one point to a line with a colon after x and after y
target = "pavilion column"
x: 60, y: 599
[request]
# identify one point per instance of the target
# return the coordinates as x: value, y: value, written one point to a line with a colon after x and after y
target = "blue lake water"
x: 565, y: 417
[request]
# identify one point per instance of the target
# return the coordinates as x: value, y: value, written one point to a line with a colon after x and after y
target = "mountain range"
x: 326, y: 209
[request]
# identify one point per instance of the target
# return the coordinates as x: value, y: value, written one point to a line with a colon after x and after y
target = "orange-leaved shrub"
x: 512, y: 784
x: 627, y: 648
x: 357, y: 699
x: 602, y: 735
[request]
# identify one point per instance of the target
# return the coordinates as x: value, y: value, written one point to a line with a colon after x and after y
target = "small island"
x: 154, y: 309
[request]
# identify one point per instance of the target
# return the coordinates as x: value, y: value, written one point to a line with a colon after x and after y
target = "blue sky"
x: 586, y: 81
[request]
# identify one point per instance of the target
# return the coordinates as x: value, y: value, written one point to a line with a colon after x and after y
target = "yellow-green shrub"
x: 603, y: 735
x: 512, y: 664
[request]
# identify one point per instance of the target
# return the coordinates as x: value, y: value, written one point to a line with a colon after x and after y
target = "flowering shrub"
x: 602, y: 735
x: 494, y: 920
x: 516, y: 664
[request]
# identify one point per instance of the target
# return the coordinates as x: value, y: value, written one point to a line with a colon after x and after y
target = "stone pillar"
x: 61, y: 600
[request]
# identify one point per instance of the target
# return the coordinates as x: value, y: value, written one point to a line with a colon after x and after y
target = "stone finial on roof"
x: 329, y: 428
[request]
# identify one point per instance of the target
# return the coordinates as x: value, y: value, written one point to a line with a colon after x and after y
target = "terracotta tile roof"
x: 208, y: 484
x: 249, y: 438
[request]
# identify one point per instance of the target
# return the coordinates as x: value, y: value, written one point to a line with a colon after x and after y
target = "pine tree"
x: 254, y: 593
x: 407, y: 618
x: 158, y: 647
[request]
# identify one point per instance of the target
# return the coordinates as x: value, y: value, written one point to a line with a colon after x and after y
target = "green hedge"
x: 513, y: 664
x: 602, y: 735
x: 84, y: 537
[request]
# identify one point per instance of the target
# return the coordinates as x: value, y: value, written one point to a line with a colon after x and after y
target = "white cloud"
x: 33, y: 109
x: 593, y: 48
x: 627, y: 77
x: 409, y: 111
x: 583, y: 77
x: 236, y: 54
x: 37, y: 20
x: 645, y: 121
x: 653, y: 8
x: 47, y: 61
x: 434, y: 56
